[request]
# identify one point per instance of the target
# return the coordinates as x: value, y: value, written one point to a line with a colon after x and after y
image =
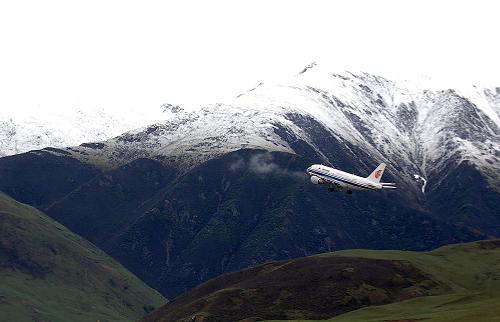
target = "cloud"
x: 238, y: 164
x: 262, y: 164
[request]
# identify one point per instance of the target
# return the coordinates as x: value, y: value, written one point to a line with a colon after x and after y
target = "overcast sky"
x: 140, y: 54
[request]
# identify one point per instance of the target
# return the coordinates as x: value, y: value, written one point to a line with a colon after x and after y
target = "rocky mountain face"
x: 243, y: 208
x: 224, y: 188
x: 415, y: 130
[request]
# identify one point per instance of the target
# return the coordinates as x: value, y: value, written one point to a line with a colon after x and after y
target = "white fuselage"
x: 321, y: 174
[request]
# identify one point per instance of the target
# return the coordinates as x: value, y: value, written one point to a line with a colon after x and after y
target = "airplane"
x: 341, y: 180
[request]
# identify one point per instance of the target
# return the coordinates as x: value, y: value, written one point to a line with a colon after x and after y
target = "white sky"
x: 140, y: 54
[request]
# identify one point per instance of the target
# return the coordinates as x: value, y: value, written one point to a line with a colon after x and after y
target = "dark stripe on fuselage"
x: 316, y: 172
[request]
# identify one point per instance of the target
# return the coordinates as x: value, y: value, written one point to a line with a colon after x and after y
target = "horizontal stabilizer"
x: 387, y: 183
x: 389, y: 187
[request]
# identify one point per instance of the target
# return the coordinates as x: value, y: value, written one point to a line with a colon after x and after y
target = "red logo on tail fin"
x: 378, y: 173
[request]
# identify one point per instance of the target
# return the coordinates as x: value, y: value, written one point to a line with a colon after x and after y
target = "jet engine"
x: 317, y: 180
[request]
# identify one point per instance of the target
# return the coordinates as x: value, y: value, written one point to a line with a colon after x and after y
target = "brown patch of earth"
x: 305, y: 288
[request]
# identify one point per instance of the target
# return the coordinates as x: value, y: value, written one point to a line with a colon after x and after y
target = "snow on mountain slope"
x: 414, y: 129
x: 24, y: 132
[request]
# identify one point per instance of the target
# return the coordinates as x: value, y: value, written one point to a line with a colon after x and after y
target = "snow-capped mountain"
x: 22, y: 132
x: 149, y: 199
x: 414, y: 127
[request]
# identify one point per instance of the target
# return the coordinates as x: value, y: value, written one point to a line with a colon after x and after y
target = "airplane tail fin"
x: 377, y: 173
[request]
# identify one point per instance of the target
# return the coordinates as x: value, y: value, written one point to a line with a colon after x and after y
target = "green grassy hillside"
x: 472, y: 271
x: 454, y: 283
x: 48, y: 273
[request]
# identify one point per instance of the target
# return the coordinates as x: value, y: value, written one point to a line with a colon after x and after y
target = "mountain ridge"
x: 228, y: 180
x: 405, y: 128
